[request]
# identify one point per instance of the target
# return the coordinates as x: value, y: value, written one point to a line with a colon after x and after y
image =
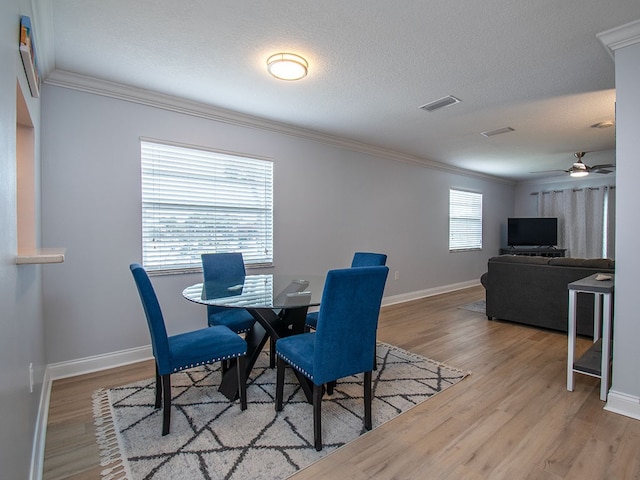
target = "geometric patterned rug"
x: 212, y: 438
x: 480, y: 306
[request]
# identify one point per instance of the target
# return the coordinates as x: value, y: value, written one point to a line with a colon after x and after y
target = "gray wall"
x: 526, y: 205
x: 329, y: 202
x: 21, y: 325
x: 626, y: 360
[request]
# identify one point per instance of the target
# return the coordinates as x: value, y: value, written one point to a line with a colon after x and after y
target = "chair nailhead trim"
x: 213, y: 360
x: 301, y: 370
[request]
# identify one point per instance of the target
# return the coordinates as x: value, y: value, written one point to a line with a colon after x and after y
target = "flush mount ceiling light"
x: 287, y: 66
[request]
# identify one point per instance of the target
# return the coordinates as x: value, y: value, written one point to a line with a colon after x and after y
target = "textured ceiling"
x: 536, y: 66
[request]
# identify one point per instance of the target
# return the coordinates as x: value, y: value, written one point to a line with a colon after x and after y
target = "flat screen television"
x: 534, y: 232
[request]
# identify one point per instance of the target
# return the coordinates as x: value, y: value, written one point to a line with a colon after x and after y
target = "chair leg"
x: 317, y: 416
x: 241, y: 364
x: 367, y: 400
x: 166, y: 408
x: 375, y: 356
x: 330, y: 387
x: 272, y: 352
x: 158, y: 403
x: 224, y: 366
x: 279, y: 383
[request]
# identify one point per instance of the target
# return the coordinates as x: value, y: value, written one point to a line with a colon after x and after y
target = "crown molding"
x: 73, y: 81
x: 619, y: 37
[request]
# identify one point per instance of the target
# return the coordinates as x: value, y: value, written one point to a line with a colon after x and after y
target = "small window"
x: 465, y: 220
x: 198, y: 201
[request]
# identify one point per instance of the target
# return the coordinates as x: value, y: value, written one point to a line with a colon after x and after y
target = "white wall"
x: 329, y: 202
x: 21, y: 328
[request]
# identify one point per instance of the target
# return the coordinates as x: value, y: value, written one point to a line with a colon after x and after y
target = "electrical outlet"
x: 397, y: 275
x: 31, y: 377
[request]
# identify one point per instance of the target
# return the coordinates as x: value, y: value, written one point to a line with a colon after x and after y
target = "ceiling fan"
x: 579, y: 169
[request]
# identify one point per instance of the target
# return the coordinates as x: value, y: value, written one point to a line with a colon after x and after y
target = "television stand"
x: 534, y: 251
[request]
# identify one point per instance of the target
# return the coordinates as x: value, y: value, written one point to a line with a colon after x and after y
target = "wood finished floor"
x: 512, y: 418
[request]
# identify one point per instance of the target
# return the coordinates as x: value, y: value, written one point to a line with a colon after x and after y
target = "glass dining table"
x: 279, y: 303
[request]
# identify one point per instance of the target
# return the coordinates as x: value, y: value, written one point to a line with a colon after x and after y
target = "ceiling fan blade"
x: 605, y: 168
x: 578, y: 167
x: 550, y: 171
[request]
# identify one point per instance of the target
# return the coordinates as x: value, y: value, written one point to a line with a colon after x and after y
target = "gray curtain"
x: 610, y: 222
x: 586, y: 219
x: 551, y: 204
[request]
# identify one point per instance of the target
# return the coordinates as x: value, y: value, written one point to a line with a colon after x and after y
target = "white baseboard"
x: 72, y: 368
x: 617, y: 402
x: 623, y: 404
x: 105, y: 361
x: 96, y: 363
x: 407, y: 297
x: 40, y: 433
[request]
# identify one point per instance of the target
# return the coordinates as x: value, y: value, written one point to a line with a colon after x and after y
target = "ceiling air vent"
x: 440, y: 103
x: 498, y: 131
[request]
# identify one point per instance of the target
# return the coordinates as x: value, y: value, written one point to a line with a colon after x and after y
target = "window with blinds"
x: 465, y: 220
x: 198, y: 201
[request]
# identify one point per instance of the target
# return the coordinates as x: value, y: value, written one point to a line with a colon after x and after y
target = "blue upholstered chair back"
x: 155, y: 320
x: 368, y: 259
x: 345, y: 337
x: 222, y: 269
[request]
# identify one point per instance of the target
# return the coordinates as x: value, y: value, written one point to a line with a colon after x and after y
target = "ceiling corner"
x: 622, y: 36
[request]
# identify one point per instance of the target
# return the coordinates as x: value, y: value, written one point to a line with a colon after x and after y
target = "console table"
x: 537, y: 252
x: 596, y: 361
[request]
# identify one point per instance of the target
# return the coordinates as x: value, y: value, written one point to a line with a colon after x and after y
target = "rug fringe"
x: 465, y: 373
x: 107, y: 439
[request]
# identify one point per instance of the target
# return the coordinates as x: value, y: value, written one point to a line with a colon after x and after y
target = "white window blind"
x: 465, y: 220
x: 197, y: 201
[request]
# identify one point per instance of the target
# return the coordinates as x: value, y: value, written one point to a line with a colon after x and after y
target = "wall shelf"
x: 40, y: 256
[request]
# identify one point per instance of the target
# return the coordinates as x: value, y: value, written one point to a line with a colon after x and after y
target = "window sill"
x: 40, y: 256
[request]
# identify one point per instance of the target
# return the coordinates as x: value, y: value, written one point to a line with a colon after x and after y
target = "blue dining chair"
x: 360, y: 259
x: 226, y: 269
x: 185, y: 350
x: 344, y: 341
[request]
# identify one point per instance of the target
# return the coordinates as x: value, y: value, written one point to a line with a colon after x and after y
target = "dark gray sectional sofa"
x: 533, y: 290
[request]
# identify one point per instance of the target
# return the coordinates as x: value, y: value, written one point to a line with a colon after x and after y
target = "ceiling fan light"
x: 579, y: 169
x: 579, y: 173
x: 287, y: 66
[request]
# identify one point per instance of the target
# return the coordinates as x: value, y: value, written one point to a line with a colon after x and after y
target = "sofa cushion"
x: 603, y: 263
x: 600, y: 263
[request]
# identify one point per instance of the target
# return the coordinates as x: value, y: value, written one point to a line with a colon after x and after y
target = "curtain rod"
x: 611, y: 187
